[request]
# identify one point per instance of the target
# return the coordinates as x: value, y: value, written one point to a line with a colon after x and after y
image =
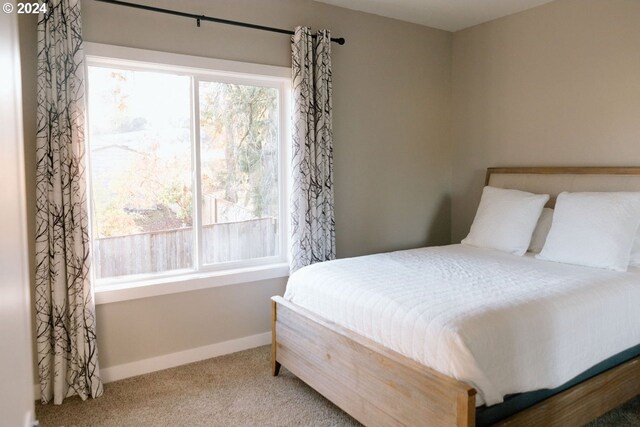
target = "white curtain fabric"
x: 312, y: 216
x: 65, y: 311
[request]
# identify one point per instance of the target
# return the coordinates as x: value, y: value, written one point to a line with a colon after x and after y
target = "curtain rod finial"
x: 340, y: 41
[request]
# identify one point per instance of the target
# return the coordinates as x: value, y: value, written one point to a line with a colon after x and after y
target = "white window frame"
x: 200, y: 69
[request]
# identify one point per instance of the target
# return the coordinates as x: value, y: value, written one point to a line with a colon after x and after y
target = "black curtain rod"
x: 199, y: 18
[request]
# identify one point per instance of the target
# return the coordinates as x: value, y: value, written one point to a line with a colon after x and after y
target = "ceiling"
x: 450, y: 15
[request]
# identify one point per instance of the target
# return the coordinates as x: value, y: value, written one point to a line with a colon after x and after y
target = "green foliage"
x: 152, y: 190
x: 241, y: 122
x: 179, y: 198
x: 152, y: 194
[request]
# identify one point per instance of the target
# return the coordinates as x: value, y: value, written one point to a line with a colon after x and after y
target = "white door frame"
x: 16, y: 365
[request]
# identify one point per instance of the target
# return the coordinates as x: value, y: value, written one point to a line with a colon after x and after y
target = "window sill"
x: 189, y: 282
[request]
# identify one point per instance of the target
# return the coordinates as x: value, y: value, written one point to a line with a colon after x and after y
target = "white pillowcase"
x: 593, y: 229
x: 634, y: 261
x: 541, y: 231
x: 505, y: 220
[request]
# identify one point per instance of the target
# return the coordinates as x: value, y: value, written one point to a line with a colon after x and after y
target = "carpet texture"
x: 233, y: 390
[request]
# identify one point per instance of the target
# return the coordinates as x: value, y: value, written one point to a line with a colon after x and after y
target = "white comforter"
x: 502, y: 323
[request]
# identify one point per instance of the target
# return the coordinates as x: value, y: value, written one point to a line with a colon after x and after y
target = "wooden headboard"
x: 554, y: 180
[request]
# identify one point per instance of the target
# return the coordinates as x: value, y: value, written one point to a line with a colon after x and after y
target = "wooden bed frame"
x: 380, y: 387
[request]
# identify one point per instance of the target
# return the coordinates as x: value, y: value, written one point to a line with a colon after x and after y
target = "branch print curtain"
x: 313, y: 224
x: 65, y: 312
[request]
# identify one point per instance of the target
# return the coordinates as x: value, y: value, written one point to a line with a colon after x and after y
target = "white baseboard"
x: 171, y: 360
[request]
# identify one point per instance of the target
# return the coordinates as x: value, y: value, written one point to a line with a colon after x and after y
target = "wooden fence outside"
x: 173, y: 249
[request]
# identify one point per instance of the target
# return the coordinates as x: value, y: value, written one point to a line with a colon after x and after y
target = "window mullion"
x: 197, y: 189
x: 284, y: 168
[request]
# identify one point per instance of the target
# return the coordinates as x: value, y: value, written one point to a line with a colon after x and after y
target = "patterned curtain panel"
x: 312, y: 222
x: 65, y: 312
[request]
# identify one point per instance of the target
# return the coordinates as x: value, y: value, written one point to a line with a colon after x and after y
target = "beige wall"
x: 149, y: 327
x: 392, y: 153
x: 554, y: 85
x: 28, y: 42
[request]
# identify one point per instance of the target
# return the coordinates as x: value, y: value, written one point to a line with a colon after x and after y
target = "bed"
x: 507, y: 340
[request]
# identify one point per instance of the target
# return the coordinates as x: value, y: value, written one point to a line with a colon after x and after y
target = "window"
x: 187, y: 164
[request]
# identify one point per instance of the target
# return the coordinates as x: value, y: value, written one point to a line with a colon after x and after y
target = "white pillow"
x: 541, y: 231
x: 505, y: 220
x: 593, y: 229
x: 635, y: 251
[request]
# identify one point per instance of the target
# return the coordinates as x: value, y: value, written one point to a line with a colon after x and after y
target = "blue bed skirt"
x: 514, y: 403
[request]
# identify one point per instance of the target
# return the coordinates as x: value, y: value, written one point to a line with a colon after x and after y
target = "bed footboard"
x: 375, y: 385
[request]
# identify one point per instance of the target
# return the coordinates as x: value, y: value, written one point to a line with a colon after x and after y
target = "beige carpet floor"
x: 228, y: 391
